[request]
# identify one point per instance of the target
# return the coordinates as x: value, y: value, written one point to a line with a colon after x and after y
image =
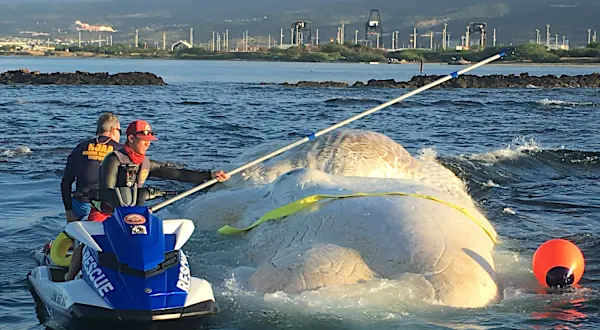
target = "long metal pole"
x: 158, y: 206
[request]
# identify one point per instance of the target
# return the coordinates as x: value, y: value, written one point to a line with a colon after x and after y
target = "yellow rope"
x: 300, y: 204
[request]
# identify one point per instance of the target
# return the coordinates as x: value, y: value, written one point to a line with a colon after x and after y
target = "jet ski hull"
x: 74, y: 304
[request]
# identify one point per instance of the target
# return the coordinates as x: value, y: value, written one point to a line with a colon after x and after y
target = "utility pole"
x: 137, y: 36
x: 444, y: 33
x: 548, y: 35
x: 164, y: 41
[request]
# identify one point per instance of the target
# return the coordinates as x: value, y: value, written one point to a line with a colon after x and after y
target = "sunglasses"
x: 120, y: 130
x: 144, y: 133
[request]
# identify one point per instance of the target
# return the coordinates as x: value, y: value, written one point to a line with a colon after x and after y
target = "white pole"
x: 160, y: 205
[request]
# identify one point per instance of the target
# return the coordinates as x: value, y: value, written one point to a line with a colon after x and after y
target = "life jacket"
x: 129, y: 172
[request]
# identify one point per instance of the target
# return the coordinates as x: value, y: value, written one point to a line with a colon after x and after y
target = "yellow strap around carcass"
x: 300, y: 204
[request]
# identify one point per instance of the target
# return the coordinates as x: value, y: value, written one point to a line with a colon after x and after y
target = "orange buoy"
x: 558, y: 263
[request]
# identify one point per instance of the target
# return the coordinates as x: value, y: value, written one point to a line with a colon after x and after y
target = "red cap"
x: 141, y: 129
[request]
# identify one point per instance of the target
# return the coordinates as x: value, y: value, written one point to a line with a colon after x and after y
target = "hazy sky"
x: 45, y: 1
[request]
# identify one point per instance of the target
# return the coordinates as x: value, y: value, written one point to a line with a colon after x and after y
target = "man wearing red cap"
x: 125, y: 167
x: 128, y: 166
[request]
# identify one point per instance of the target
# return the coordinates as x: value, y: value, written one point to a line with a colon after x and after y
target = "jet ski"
x: 133, y: 272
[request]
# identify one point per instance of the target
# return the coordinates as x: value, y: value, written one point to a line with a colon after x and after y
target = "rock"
x: 317, y: 84
x: 472, y: 81
x: 24, y: 76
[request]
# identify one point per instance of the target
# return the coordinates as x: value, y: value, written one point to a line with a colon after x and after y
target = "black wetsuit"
x: 118, y: 170
x: 113, y: 175
x: 83, y: 165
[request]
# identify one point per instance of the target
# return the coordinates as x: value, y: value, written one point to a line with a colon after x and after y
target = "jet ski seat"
x: 58, y: 274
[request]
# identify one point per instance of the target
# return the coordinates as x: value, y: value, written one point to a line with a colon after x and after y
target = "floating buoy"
x: 558, y: 263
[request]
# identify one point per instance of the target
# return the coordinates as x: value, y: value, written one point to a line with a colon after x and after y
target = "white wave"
x: 21, y: 150
x: 512, y: 151
x: 427, y: 155
x: 547, y: 102
x: 490, y: 184
x: 586, y: 160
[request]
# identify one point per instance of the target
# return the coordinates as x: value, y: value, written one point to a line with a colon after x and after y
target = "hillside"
x: 515, y: 20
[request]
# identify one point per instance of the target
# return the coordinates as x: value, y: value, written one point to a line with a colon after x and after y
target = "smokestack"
x: 192, y: 37
x: 137, y: 36
x: 164, y: 41
x: 445, y: 31
x: 414, y: 38
x: 431, y: 40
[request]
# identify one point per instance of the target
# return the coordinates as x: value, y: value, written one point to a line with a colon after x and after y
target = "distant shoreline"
x: 106, y: 56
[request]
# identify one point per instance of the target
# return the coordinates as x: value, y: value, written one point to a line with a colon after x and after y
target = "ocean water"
x: 528, y: 156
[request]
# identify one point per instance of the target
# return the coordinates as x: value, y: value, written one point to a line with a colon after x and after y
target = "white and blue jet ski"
x: 133, y: 271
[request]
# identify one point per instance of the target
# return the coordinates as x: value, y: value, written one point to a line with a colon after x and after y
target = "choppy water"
x: 529, y: 157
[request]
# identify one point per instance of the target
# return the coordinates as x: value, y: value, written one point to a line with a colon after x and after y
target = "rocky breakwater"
x: 24, y: 76
x: 472, y: 81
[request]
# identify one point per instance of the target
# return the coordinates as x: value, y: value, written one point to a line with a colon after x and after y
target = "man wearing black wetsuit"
x: 83, y: 165
x: 128, y: 166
